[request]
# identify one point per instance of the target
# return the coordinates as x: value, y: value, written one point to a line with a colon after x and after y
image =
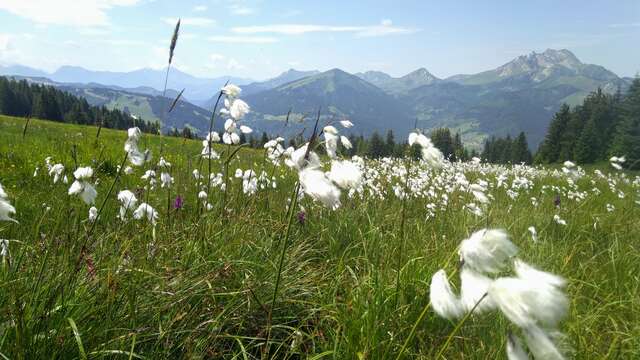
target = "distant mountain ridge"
x: 196, y: 89
x: 256, y: 87
x: 521, y: 95
x: 338, y: 95
x: 400, y: 85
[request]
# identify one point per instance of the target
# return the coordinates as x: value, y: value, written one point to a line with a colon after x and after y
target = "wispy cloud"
x: 243, y: 39
x: 220, y: 61
x: 200, y: 8
x: 627, y: 25
x: 241, y: 10
x: 291, y: 13
x: 4, y: 42
x: 65, y: 12
x: 191, y: 21
x: 216, y: 57
x: 386, y: 27
x: 240, y: 7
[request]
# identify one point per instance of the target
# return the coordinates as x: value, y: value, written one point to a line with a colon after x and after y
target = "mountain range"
x: 196, y: 89
x: 521, y: 95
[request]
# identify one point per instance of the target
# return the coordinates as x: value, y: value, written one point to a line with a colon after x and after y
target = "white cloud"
x: 216, y: 57
x: 123, y: 42
x: 4, y: 42
x: 64, y: 12
x: 292, y: 29
x: 190, y: 21
x: 637, y: 24
x: 243, y: 39
x: 9, y: 53
x: 385, y: 28
x: 241, y: 10
x: 234, y: 64
x: 200, y: 8
x: 219, y: 61
x: 291, y: 13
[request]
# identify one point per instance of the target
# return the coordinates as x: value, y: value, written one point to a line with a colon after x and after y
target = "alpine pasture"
x: 220, y: 251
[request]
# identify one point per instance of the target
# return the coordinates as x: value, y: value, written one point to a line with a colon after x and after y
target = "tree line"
x: 376, y: 146
x: 604, y: 125
x: 21, y: 98
x: 507, y: 150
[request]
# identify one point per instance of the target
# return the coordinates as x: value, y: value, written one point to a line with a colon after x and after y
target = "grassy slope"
x: 202, y: 287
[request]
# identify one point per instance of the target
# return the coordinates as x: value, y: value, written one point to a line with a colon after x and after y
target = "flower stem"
x: 458, y: 326
x: 294, y: 202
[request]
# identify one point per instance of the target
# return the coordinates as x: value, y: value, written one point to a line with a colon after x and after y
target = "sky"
x: 259, y: 39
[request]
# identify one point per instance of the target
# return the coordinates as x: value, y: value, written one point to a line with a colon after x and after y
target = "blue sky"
x: 260, y: 39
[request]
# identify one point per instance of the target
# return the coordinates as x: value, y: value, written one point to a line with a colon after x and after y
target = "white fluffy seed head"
x: 526, y: 303
x: 473, y: 290
x: 443, y: 300
x: 514, y: 349
x: 320, y: 188
x: 345, y: 174
x: 487, y: 250
x: 542, y: 344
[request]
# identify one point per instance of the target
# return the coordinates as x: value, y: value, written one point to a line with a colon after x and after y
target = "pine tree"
x: 376, y: 146
x: 264, y: 139
x: 390, y: 145
x: 626, y: 139
x: 520, y: 150
x: 549, y: 150
x: 585, y: 151
x: 442, y: 139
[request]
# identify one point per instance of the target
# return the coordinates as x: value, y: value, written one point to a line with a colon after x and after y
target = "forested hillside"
x: 602, y: 126
x: 20, y: 98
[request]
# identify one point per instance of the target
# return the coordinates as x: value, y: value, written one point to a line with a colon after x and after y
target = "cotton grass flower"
x: 166, y: 180
x: 473, y: 291
x: 128, y: 202
x: 56, y: 171
x: 430, y: 153
x: 617, y: 162
x: 207, y: 152
x: 541, y: 344
x: 298, y: 161
x: 559, y: 220
x: 82, y: 187
x: 487, y: 251
x: 238, y: 110
x: 320, y: 188
x: 474, y: 209
x: 346, y: 142
x: 331, y: 137
x: 93, y: 214
x: 231, y: 91
x: 514, y: 349
x: 531, y: 300
x: 345, y: 174
x: 146, y: 211
x: 534, y: 233
x: 4, y: 248
x: 346, y: 124
x: 6, y: 209
x: 135, y: 155
x: 443, y: 300
x: 235, y: 110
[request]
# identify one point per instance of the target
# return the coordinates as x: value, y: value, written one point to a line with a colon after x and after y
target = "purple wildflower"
x: 178, y: 203
x: 301, y: 217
